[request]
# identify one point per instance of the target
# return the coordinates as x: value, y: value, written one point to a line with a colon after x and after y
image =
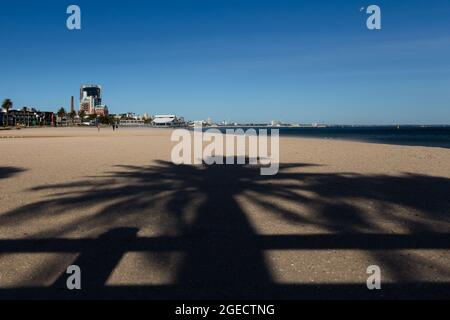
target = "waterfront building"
x: 131, y: 119
x: 167, y: 121
x: 101, y: 110
x: 197, y: 123
x: 27, y: 117
x: 132, y: 122
x: 276, y: 123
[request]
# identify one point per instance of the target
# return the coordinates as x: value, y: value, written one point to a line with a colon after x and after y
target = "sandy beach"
x: 140, y: 226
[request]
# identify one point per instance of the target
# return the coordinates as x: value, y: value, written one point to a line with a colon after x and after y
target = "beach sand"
x: 139, y: 226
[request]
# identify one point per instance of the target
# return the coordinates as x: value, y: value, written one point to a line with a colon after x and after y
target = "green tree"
x: 6, y: 105
x: 81, y: 114
x: 106, y: 119
x: 61, y: 112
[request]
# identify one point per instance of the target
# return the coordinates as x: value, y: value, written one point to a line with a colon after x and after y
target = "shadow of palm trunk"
x: 225, y: 258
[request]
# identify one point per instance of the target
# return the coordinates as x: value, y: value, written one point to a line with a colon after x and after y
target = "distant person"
x: 114, y: 126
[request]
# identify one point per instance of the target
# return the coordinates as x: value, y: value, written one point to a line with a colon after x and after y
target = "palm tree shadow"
x: 223, y: 258
x: 223, y: 253
x: 7, y: 172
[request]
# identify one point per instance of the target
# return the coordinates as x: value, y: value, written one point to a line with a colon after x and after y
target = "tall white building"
x: 91, y: 100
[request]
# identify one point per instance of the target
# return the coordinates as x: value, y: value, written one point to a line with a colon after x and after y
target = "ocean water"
x: 406, y: 135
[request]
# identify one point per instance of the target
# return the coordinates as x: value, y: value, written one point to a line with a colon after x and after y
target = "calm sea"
x: 406, y: 135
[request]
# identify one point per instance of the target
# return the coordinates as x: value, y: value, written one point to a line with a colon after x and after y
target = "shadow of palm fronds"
x: 199, y: 205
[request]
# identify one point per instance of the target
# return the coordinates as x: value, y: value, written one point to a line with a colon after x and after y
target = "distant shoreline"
x: 423, y: 136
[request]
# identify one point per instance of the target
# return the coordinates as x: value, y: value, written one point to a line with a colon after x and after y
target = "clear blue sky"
x: 299, y: 61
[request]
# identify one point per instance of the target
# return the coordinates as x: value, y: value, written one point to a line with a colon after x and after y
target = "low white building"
x: 131, y: 122
x: 276, y: 123
x: 167, y: 121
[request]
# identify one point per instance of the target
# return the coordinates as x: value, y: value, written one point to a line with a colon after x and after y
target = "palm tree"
x: 7, y: 104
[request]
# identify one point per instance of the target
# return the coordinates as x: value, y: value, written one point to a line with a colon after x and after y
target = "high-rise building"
x: 91, y: 100
x: 92, y: 90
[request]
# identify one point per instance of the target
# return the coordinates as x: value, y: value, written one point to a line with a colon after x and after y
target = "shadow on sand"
x: 195, y: 210
x: 7, y: 172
